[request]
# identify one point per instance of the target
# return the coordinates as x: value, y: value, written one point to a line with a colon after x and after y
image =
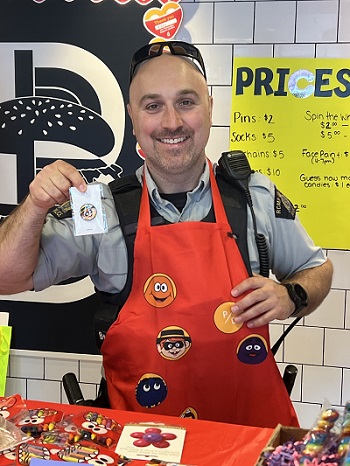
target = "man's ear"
x: 211, y: 103
x: 128, y: 107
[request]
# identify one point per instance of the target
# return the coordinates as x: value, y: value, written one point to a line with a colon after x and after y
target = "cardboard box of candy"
x: 279, y: 436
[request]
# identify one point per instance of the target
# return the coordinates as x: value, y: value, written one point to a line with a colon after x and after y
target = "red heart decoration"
x: 164, y: 22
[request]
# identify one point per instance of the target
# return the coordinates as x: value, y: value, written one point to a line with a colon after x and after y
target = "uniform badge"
x: 283, y: 206
x: 62, y: 211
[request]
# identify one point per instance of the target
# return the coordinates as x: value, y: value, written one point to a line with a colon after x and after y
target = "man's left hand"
x: 264, y: 300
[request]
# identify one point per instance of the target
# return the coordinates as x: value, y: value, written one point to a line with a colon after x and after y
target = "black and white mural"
x: 63, y: 92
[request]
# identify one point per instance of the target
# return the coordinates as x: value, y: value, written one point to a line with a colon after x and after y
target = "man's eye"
x: 152, y: 107
x: 185, y: 103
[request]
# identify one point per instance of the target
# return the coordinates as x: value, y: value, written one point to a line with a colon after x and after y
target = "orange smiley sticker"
x: 159, y: 290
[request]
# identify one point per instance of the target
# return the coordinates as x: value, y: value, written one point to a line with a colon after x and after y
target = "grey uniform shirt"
x: 104, y: 258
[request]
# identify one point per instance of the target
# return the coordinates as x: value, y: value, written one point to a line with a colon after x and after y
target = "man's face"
x: 171, y: 114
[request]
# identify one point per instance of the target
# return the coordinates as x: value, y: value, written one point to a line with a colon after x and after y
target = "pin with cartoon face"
x: 173, y: 342
x: 252, y: 349
x: 159, y: 290
x: 151, y: 390
x: 88, y: 210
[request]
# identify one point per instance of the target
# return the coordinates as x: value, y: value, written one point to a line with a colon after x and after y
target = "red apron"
x: 174, y: 348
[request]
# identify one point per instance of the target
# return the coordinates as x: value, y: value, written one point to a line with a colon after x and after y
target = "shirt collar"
x: 195, y: 194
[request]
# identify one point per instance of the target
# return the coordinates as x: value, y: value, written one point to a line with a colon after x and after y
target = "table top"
x: 207, y: 443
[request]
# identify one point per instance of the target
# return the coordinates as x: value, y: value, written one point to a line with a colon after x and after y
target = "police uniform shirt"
x: 103, y: 256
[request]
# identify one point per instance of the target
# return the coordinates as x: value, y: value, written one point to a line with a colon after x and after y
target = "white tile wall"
x: 319, y: 384
x: 222, y: 105
x: 340, y: 261
x: 307, y: 413
x: 319, y: 344
x: 344, y: 30
x: 218, y: 142
x: 234, y: 22
x: 347, y: 310
x: 268, y: 24
x: 304, y: 345
x: 254, y: 50
x: 346, y: 387
x: 38, y: 375
x: 198, y: 24
x: 326, y: 318
x: 336, y: 351
x: 295, y: 50
x: 317, y: 21
x: 218, y: 62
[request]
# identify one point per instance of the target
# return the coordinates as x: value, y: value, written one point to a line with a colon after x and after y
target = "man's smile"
x: 172, y: 140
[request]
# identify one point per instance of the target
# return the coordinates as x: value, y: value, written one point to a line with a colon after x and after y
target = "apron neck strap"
x: 218, y: 206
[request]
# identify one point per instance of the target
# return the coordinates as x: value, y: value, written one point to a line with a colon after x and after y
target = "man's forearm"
x: 317, y: 282
x: 19, y: 245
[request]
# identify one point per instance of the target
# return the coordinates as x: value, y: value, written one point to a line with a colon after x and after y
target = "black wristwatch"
x: 298, y: 295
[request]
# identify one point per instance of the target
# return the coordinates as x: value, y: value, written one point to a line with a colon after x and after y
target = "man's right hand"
x: 20, y: 233
x: 51, y: 185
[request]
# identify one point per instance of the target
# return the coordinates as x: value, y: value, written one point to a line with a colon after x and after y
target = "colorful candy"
x: 326, y: 444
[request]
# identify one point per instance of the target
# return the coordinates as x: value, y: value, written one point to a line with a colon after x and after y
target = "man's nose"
x: 171, y: 118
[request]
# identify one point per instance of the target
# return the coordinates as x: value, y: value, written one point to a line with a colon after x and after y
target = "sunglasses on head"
x: 175, y: 47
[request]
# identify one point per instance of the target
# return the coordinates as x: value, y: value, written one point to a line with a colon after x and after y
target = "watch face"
x: 298, y: 295
x: 301, y: 293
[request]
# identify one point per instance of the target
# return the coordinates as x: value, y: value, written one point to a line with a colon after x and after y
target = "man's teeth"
x: 173, y: 141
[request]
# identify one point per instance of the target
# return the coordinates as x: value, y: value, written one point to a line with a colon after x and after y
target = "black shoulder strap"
x: 126, y: 193
x: 235, y: 205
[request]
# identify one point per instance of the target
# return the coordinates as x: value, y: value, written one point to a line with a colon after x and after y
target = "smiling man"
x: 185, y: 250
x: 171, y: 122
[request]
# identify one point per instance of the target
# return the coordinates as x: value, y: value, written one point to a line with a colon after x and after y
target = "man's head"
x: 171, y: 110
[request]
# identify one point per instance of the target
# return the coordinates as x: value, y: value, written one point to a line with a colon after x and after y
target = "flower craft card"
x: 145, y: 441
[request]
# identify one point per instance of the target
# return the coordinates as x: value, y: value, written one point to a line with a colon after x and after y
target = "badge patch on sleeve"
x: 62, y: 211
x: 283, y: 207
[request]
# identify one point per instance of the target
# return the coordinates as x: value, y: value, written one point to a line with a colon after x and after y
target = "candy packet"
x: 344, y: 440
x: 77, y: 453
x: 92, y: 427
x: 322, y: 435
x: 10, y: 435
x: 34, y: 422
x: 346, y: 459
x: 11, y: 405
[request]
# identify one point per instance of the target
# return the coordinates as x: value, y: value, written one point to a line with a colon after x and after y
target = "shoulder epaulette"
x: 62, y: 211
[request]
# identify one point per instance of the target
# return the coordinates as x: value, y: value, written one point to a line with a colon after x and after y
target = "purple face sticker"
x: 252, y: 350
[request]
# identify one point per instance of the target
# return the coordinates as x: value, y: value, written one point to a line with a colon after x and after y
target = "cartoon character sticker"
x: 173, y: 342
x: 88, y: 212
x: 189, y: 413
x: 159, y: 290
x: 151, y: 390
x: 252, y: 349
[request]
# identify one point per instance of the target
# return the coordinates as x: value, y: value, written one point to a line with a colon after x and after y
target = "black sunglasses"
x: 175, y: 47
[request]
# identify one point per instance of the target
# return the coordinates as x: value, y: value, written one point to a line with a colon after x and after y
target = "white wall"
x: 319, y: 345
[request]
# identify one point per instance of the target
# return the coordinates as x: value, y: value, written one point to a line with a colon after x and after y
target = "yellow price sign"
x: 291, y: 116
